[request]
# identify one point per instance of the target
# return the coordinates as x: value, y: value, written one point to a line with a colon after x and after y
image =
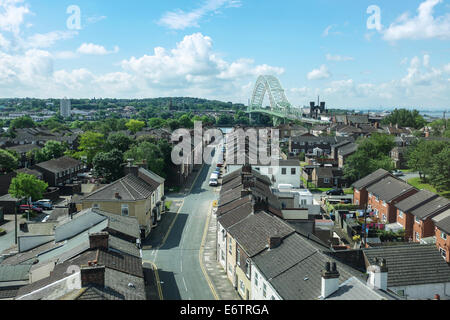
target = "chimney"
x: 130, y: 168
x: 378, y: 274
x: 92, y: 275
x: 247, y: 168
x: 274, y: 242
x: 98, y: 240
x: 117, y: 196
x: 330, y: 280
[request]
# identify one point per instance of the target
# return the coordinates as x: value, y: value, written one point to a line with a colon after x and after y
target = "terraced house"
x: 139, y: 194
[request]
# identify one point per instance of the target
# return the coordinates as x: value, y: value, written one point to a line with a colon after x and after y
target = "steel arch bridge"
x: 280, y: 108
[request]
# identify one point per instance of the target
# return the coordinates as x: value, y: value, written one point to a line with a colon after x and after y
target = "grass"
x: 348, y: 191
x: 419, y: 184
x: 407, y: 170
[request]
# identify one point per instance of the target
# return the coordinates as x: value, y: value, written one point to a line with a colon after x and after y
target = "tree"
x: 90, y: 144
x: 22, y: 122
x: 372, y: 154
x: 440, y: 170
x: 119, y: 141
x: 420, y: 157
x: 51, y: 150
x: 405, y: 118
x: 152, y: 154
x: 8, y: 162
x: 108, y: 165
x: 27, y: 186
x: 156, y: 123
x: 135, y: 125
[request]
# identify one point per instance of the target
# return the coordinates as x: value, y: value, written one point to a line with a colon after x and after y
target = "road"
x: 178, y: 260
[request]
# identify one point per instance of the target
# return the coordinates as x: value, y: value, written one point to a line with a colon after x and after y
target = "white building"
x: 285, y: 172
x: 65, y: 108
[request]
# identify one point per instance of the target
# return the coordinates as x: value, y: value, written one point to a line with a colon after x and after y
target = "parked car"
x: 213, y: 183
x: 220, y: 165
x: 398, y: 173
x: 335, y: 192
x: 26, y: 207
x: 44, y: 204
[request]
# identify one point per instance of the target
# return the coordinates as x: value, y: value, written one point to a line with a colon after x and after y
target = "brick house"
x: 61, y: 171
x: 398, y: 157
x: 360, y: 195
x: 442, y: 232
x: 416, y: 212
x: 327, y: 177
x: 385, y: 194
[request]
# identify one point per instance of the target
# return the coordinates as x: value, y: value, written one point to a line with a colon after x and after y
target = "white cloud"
x: 318, y: 74
x: 94, y: 49
x: 338, y: 58
x: 180, y: 20
x: 326, y: 32
x: 426, y: 60
x: 422, y: 26
x: 47, y: 40
x: 12, y: 15
x: 4, y: 43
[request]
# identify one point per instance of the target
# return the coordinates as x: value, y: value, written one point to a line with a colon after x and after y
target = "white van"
x: 214, y: 176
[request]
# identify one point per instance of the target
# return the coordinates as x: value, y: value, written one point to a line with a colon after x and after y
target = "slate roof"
x: 432, y: 207
x: 232, y: 205
x: 442, y: 221
x: 389, y: 188
x: 121, y: 262
x: 235, y: 215
x: 130, y: 188
x: 126, y: 225
x: 411, y: 264
x: 24, y: 148
x: 14, y: 272
x: 348, y: 149
x: 304, y: 280
x: 123, y: 246
x: 30, y: 172
x: 253, y: 232
x: 370, y: 179
x: 60, y: 164
x: 415, y: 200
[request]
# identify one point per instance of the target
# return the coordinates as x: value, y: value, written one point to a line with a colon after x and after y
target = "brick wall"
x: 442, y: 243
x: 93, y: 276
x: 407, y: 222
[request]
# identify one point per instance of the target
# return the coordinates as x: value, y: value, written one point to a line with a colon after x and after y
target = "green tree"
x: 156, y: 123
x: 372, y: 154
x: 152, y: 154
x: 90, y: 144
x: 51, y: 150
x: 405, y: 118
x: 420, y: 157
x: 108, y: 165
x: 22, y: 122
x: 135, y: 125
x: 119, y: 141
x: 8, y: 161
x: 440, y: 170
x: 27, y: 186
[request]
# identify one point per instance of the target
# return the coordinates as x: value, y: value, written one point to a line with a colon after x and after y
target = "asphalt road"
x: 178, y: 259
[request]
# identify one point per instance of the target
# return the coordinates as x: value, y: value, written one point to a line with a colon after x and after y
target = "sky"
x: 351, y: 53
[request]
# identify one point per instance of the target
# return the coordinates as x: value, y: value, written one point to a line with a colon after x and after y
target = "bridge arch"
x: 272, y: 86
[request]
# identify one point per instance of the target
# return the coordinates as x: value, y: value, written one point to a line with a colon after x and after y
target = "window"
x: 125, y: 210
x: 224, y: 235
x: 256, y: 278
x: 247, y: 268
x: 293, y: 171
x: 401, y: 293
x: 258, y: 169
x: 242, y: 286
x: 326, y: 180
x: 443, y: 253
x: 400, y: 214
x: 303, y: 202
x: 264, y: 290
x: 230, y: 269
x: 417, y: 220
x: 384, y: 217
x: 95, y: 206
x: 283, y: 171
x: 272, y: 298
x: 222, y: 255
x: 238, y: 256
x: 417, y: 236
x: 443, y: 235
x: 384, y: 203
x: 230, y: 248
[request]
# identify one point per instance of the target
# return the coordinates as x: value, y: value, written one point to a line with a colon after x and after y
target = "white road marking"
x: 184, y: 282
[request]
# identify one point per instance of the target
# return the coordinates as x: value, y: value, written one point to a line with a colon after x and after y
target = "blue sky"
x: 217, y: 48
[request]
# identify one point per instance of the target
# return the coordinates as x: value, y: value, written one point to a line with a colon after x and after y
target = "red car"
x: 26, y: 207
